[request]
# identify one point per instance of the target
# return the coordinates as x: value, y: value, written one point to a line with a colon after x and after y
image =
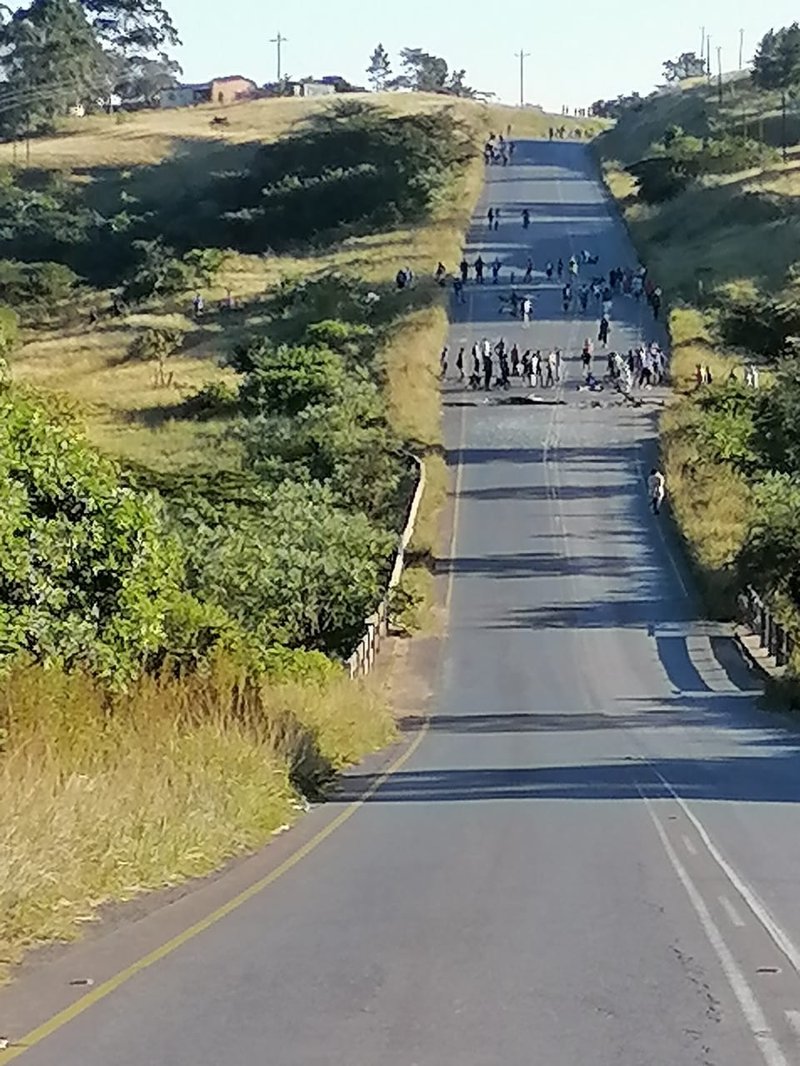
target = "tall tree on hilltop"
x: 426, y: 73
x: 52, y: 60
x: 776, y: 64
x: 380, y: 69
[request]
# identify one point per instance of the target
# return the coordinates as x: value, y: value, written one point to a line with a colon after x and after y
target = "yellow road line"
x: 62, y: 1018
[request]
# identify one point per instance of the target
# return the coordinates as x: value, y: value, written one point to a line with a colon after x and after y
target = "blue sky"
x: 580, y: 50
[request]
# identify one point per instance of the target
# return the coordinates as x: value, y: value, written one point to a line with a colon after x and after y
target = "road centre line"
x: 687, y: 843
x: 734, y: 916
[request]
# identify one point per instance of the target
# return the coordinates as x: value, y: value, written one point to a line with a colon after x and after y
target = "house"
x: 316, y: 88
x: 219, y: 91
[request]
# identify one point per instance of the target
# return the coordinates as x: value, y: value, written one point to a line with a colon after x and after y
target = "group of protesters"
x: 491, y: 365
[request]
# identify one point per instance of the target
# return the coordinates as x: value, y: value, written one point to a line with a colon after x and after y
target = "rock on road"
x: 592, y: 857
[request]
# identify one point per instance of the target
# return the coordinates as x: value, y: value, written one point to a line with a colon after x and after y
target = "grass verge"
x: 105, y: 797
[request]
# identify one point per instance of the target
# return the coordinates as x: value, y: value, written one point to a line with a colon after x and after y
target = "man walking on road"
x: 656, y: 487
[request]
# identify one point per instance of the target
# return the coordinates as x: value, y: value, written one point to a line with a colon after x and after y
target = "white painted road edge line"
x: 781, y: 939
x: 750, y: 1007
x: 733, y: 915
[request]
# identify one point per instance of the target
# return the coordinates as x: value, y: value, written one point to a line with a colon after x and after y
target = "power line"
x: 278, y: 41
x: 522, y: 56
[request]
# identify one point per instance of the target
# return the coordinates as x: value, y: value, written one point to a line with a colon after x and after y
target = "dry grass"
x: 101, y: 804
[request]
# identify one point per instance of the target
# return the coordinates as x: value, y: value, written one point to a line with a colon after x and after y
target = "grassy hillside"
x: 166, y: 153
x: 724, y: 248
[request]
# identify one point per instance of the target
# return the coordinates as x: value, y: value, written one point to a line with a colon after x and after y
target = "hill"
x: 165, y: 156
x: 710, y: 189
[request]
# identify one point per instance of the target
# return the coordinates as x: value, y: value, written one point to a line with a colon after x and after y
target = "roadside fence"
x: 773, y: 637
x: 376, y: 627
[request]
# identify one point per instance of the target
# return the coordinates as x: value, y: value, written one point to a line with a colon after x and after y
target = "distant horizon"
x: 576, y: 56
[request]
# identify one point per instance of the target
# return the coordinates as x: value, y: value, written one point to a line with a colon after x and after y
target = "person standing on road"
x: 560, y: 268
x: 460, y: 364
x: 490, y: 217
x: 552, y: 363
x: 566, y: 298
x: 479, y: 265
x: 656, y: 489
x: 586, y: 356
x: 603, y: 331
x: 464, y: 268
x: 488, y: 370
x: 526, y: 218
x: 655, y: 303
x: 549, y: 271
x: 496, y: 271
x: 497, y: 218
x: 559, y: 364
x: 527, y: 307
x: 528, y: 272
x: 475, y: 377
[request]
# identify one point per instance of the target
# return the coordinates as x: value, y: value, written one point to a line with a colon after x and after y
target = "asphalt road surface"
x: 592, y: 858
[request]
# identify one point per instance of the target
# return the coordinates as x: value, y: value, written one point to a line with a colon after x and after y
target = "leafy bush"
x: 158, y: 272
x: 297, y: 570
x: 22, y: 283
x: 213, y: 400
x: 284, y: 380
x: 153, y: 344
x: 9, y: 331
x: 86, y: 570
x: 771, y: 554
x: 681, y: 158
x: 727, y: 432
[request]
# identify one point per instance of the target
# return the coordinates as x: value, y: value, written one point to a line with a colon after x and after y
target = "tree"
x: 423, y: 72
x: 52, y: 60
x: 131, y: 27
x: 776, y: 64
x: 139, y: 80
x: 380, y: 69
x: 687, y: 65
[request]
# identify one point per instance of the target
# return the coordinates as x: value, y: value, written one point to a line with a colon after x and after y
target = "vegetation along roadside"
x: 707, y: 178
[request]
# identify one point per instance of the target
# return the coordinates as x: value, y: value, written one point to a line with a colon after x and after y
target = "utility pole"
x: 719, y: 73
x: 278, y: 41
x: 783, y: 125
x: 741, y: 49
x: 702, y: 43
x: 522, y: 56
x: 708, y: 58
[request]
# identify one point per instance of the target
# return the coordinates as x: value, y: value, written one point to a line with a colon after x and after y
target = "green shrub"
x: 9, y: 331
x: 22, y: 283
x: 154, y: 344
x: 298, y: 571
x: 86, y: 569
x: 284, y: 380
x: 214, y: 400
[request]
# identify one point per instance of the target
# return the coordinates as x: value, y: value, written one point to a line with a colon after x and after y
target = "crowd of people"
x: 491, y: 365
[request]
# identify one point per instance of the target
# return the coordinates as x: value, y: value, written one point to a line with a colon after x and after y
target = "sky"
x: 580, y: 50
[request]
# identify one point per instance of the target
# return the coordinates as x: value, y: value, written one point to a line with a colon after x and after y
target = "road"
x: 591, y: 855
